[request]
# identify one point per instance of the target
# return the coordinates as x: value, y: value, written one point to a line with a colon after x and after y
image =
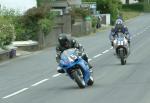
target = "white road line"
x: 111, y: 48
x: 141, y: 32
x: 22, y: 90
x: 89, y: 59
x: 138, y: 34
x: 105, y: 51
x: 56, y: 75
x: 42, y: 81
x: 96, y: 56
x: 147, y: 28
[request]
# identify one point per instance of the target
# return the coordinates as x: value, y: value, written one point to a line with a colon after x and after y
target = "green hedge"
x: 134, y: 7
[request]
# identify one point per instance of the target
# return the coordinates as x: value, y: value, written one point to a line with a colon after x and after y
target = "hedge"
x: 135, y: 7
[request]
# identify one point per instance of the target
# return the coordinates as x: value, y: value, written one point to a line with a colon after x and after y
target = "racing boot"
x: 60, y: 70
x: 90, y: 67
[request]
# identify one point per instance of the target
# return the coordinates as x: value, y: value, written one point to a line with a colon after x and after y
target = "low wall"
x: 51, y: 38
x: 81, y: 27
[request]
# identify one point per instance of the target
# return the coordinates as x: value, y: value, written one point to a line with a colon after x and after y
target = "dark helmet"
x: 63, y: 40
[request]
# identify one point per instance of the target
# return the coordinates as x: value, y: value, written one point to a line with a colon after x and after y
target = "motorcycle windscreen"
x: 120, y: 39
x: 68, y: 56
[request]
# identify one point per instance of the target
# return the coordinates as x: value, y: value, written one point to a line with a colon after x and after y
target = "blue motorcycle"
x: 76, y: 67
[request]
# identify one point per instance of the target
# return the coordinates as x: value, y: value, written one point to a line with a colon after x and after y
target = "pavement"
x: 22, y: 53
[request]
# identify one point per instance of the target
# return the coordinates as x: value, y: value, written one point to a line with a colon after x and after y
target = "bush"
x: 109, y: 6
x: 7, y: 32
x: 35, y: 19
x: 94, y: 22
x: 79, y: 13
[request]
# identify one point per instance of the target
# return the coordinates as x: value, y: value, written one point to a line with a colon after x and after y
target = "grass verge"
x: 130, y: 14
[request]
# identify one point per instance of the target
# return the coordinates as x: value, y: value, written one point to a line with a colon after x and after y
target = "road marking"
x: 22, y: 90
x: 111, y: 48
x: 56, y: 75
x: 105, y: 51
x: 89, y: 59
x: 97, y: 55
x: 138, y: 34
x: 147, y: 28
x: 42, y: 81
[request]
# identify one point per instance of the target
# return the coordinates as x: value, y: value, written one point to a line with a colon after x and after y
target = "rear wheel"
x: 77, y: 75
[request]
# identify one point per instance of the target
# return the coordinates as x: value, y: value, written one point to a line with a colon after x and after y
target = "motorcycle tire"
x: 78, y: 79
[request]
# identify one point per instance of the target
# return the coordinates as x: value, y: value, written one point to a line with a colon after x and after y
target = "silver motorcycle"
x: 121, y: 47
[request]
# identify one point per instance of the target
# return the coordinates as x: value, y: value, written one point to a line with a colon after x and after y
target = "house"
x: 18, y: 5
x: 63, y: 6
x: 129, y: 1
x: 91, y: 6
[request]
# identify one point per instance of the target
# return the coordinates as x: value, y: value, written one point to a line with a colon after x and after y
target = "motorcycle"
x: 76, y: 68
x: 121, y: 47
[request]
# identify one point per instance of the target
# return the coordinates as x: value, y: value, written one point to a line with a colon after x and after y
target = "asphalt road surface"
x: 33, y: 78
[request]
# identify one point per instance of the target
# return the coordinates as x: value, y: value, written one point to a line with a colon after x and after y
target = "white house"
x: 19, y: 5
x: 130, y: 1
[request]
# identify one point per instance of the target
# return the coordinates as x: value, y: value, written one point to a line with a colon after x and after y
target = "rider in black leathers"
x: 65, y: 42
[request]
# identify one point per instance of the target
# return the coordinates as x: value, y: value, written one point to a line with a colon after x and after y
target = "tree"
x: 127, y: 1
x: 43, y: 2
x: 109, y: 6
x: 88, y: 0
x: 37, y: 23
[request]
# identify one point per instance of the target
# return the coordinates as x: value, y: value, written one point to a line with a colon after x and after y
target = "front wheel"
x: 91, y: 81
x: 79, y: 79
x: 123, y: 61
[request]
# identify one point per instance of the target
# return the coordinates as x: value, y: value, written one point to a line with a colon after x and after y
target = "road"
x: 33, y: 78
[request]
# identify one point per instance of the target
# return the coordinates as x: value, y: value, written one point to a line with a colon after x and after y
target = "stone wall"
x: 63, y: 25
x: 51, y: 38
x: 81, y: 27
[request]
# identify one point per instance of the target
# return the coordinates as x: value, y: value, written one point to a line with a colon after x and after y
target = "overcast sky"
x: 21, y: 5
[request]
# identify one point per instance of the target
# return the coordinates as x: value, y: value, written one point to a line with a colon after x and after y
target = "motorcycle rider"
x: 119, y: 27
x: 64, y: 42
